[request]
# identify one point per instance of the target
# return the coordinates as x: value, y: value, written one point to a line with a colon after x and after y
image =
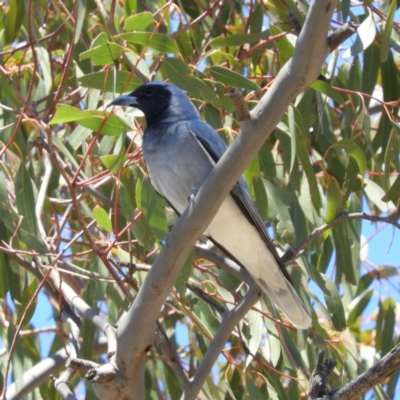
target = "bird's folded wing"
x: 213, y: 144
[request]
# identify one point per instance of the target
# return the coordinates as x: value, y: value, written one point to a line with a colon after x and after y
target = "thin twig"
x: 229, y: 321
x: 173, y: 359
x: 292, y: 254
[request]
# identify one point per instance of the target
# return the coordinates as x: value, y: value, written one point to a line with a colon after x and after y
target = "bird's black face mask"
x: 152, y: 99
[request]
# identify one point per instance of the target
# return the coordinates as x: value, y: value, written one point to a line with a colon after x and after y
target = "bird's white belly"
x: 231, y: 229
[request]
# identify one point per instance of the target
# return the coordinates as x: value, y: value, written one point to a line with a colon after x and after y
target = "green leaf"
x: 102, y: 218
x: 346, y: 236
x: 354, y: 151
x: 25, y: 200
x: 313, y: 273
x: 103, y: 54
x: 234, y: 386
x: 275, y: 388
x: 184, y: 275
x: 365, y: 34
x: 255, y: 332
x: 293, y: 129
x: 334, y: 304
x: 206, y: 318
x: 13, y: 20
x: 371, y: 67
x: 114, y: 162
x: 142, y: 232
x: 108, y: 124
x: 333, y: 200
x: 390, y: 79
x: 173, y: 384
x: 345, y: 9
x: 138, y: 22
x: 156, y: 41
x: 44, y: 60
x: 326, y: 88
x: 387, y: 32
x: 285, y: 48
x: 394, y: 191
x: 358, y: 309
x: 375, y: 194
x: 78, y: 136
x: 3, y: 191
x: 94, y: 291
x: 238, y: 39
x: 153, y: 207
x: 290, y: 351
x: 125, y: 201
x: 80, y: 19
x: 212, y: 117
x: 253, y: 390
x: 304, y: 158
x: 180, y: 74
x: 26, y: 297
x: 31, y: 242
x: 385, y: 324
x: 104, y: 80
x: 285, y: 226
x: 11, y: 277
x: 232, y: 78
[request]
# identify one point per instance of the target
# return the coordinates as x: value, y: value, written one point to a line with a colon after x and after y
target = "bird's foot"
x: 164, y: 241
x: 193, y: 195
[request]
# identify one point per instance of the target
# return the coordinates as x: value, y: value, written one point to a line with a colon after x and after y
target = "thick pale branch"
x: 39, y: 373
x: 86, y: 311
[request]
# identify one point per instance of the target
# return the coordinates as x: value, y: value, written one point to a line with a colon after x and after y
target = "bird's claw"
x: 164, y: 241
x: 193, y: 195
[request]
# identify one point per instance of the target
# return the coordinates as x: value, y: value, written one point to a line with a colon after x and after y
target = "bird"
x: 180, y: 150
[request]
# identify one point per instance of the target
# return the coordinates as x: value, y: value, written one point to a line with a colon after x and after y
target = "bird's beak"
x: 124, y: 100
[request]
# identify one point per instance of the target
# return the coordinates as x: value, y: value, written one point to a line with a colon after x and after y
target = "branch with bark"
x: 355, y: 389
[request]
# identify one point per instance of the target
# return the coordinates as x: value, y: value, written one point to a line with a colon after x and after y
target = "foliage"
x: 74, y: 191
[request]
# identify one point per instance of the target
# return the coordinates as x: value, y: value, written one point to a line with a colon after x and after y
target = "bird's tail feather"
x: 289, y: 302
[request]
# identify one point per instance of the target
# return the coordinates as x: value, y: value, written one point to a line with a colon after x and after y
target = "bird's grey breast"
x: 176, y: 162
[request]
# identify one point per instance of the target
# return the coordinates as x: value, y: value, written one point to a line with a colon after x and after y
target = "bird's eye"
x: 148, y: 91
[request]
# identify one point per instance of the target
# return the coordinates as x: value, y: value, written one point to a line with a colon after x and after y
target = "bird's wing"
x: 215, y: 147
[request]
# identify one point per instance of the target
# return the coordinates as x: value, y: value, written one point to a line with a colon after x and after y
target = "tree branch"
x: 320, y: 376
x: 229, y: 321
x: 39, y: 373
x: 370, y: 378
x: 358, y: 387
x: 292, y: 254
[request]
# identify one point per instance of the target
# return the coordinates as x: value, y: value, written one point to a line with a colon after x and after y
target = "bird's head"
x: 158, y: 101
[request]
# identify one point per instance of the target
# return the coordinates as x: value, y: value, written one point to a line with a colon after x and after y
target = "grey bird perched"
x: 180, y: 151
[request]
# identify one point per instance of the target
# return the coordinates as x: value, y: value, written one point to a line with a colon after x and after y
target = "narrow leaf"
x: 103, y: 54
x: 25, y: 199
x: 354, y: 151
x: 102, y: 218
x: 285, y: 226
x: 334, y: 304
x: 156, y: 41
x: 138, y: 22
x: 232, y: 78
x: 104, y: 81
